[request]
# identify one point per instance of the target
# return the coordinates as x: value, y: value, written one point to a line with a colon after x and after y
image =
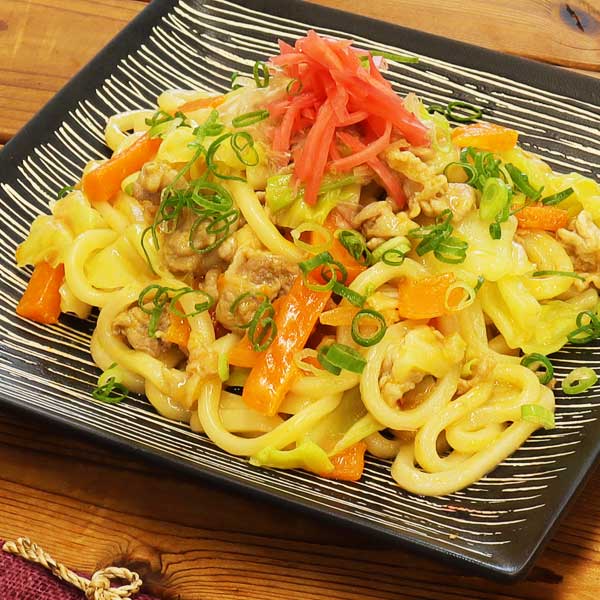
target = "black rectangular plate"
x: 496, y: 526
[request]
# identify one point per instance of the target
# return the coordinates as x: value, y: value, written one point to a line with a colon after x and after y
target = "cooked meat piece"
x: 460, y: 199
x: 253, y: 271
x: 422, y: 184
x: 378, y: 223
x: 582, y: 243
x: 153, y: 178
x: 181, y: 258
x: 133, y: 325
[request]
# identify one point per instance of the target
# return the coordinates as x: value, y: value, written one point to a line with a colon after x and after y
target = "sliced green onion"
x: 494, y: 198
x: 223, y: 367
x: 261, y: 74
x: 305, y: 366
x: 323, y: 232
x: 558, y: 274
x: 436, y: 108
x: 451, y: 251
x: 355, y: 244
x: 255, y: 299
x: 534, y: 413
x: 367, y: 314
x: 579, y: 380
x: 294, y: 87
x: 345, y: 292
x: 243, y: 143
x: 262, y: 329
x: 586, y: 331
x: 64, y: 191
x: 465, y: 300
x: 558, y: 197
x: 250, y: 118
x: 399, y: 243
x: 234, y: 76
x: 399, y: 58
x: 110, y: 389
x: 325, y: 362
x: 521, y: 181
x: 199, y: 307
x: 393, y: 257
x: 469, y: 171
x: 326, y: 261
x: 534, y: 361
x: 495, y: 230
x: 345, y: 357
x: 472, y: 112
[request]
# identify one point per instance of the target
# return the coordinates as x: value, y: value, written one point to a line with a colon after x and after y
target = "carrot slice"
x: 426, y: 298
x: 101, y: 184
x: 41, y: 300
x: 349, y: 464
x: 178, y: 331
x: 486, y: 136
x: 273, y: 375
x: 209, y: 102
x: 547, y: 218
x: 243, y: 354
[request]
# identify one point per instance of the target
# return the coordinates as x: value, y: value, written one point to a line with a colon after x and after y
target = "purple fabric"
x: 21, y: 580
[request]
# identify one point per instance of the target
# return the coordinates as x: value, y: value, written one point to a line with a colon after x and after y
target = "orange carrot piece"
x: 178, y: 331
x: 485, y: 136
x: 274, y: 373
x: 41, y: 300
x: 337, y: 250
x: 349, y: 464
x: 102, y: 183
x: 339, y: 316
x: 424, y: 298
x: 548, y: 218
x: 209, y: 102
x: 243, y: 355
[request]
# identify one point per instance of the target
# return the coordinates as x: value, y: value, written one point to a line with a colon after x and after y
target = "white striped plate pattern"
x: 498, y: 523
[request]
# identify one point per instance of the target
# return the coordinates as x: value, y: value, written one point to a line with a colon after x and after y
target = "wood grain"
x: 91, y: 507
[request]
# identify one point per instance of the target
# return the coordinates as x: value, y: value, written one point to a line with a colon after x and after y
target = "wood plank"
x: 560, y: 33
x: 43, y: 43
x: 91, y: 507
x: 34, y: 66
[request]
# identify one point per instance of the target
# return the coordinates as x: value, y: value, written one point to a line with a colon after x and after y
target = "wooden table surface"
x: 91, y: 506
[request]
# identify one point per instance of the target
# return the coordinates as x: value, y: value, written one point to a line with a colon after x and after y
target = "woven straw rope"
x: 96, y: 588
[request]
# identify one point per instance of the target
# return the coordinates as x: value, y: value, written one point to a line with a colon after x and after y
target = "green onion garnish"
x: 355, y: 244
x: 558, y: 197
x: 223, y: 367
x: 294, y: 87
x: 558, y: 274
x: 399, y: 58
x: 494, y: 198
x: 261, y: 74
x: 330, y: 269
x: 325, y: 363
x: 586, y: 330
x: 261, y: 327
x: 250, y: 118
x: 579, y: 380
x: 472, y: 112
x: 159, y: 297
x: 534, y: 361
x: 234, y: 85
x: 521, y: 181
x: 65, y: 191
x: 111, y: 391
x: 342, y: 357
x: 368, y: 315
x: 534, y: 413
x: 437, y: 238
x: 393, y: 257
x: 480, y: 282
x: 345, y: 292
